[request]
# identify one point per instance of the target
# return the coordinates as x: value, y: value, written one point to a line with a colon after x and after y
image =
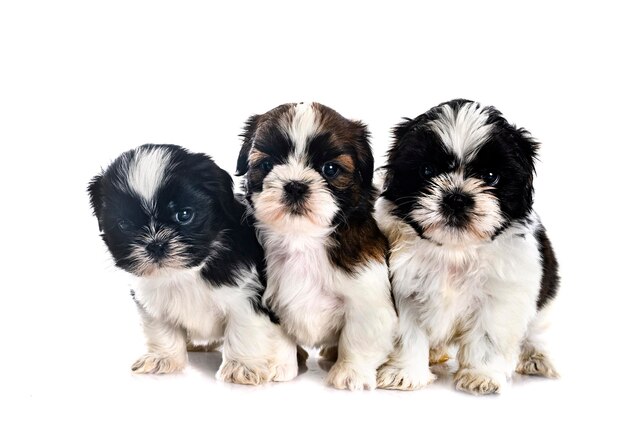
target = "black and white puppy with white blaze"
x: 470, y: 262
x: 309, y: 182
x: 170, y: 217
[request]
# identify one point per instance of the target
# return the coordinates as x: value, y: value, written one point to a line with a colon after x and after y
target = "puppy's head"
x: 160, y: 207
x: 307, y: 168
x: 460, y: 173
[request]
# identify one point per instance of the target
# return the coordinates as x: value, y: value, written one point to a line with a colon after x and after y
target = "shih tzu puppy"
x: 308, y: 179
x: 170, y: 217
x: 470, y: 262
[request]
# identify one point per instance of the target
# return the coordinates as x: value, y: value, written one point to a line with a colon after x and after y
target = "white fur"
x: 481, y: 296
x: 320, y: 305
x: 317, y: 302
x: 463, y: 131
x: 179, y: 306
x: 146, y: 172
x: 301, y: 126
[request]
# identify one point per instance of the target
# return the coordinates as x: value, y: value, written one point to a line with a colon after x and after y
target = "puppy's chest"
x: 442, y: 289
x: 302, y: 289
x: 185, y: 300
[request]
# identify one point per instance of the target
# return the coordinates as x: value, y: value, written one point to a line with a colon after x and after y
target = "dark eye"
x: 124, y: 225
x: 427, y: 171
x: 330, y: 169
x: 490, y: 178
x: 184, y: 216
x: 267, y: 165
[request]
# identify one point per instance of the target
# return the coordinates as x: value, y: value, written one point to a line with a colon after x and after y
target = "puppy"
x: 471, y: 263
x: 170, y: 217
x: 308, y: 178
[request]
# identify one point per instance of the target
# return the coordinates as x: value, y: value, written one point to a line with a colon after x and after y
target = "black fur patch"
x: 190, y: 181
x: 550, y: 279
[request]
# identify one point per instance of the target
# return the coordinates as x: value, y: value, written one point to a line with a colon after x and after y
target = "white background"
x: 80, y: 82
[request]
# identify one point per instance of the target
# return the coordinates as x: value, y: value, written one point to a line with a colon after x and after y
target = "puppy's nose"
x: 295, y: 190
x: 156, y: 249
x: 457, y: 202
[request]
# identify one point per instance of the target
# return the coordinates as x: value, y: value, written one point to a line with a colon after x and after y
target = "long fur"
x: 470, y: 261
x: 201, y: 279
x: 327, y: 272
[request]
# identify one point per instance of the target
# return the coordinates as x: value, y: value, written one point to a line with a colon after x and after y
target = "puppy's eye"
x: 267, y: 165
x: 427, y: 171
x: 330, y: 169
x: 491, y: 178
x: 184, y: 216
x: 124, y: 225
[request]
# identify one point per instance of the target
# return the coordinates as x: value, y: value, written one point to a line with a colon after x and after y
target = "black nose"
x: 295, y: 191
x: 457, y: 202
x: 156, y: 249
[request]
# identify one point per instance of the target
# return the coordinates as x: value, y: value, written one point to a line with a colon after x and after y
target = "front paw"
x: 151, y: 363
x: 233, y: 371
x: 344, y: 375
x: 476, y: 382
x: 394, y: 378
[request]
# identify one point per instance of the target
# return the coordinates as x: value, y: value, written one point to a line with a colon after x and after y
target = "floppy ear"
x: 365, y: 158
x: 219, y: 183
x: 248, y: 135
x: 402, y: 128
x: 527, y: 149
x: 94, y: 189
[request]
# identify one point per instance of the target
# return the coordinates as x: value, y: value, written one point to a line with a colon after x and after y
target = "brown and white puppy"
x: 309, y: 183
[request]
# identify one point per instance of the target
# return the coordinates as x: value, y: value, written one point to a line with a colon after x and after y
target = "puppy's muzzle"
x: 295, y: 192
x: 456, y: 207
x: 157, y: 250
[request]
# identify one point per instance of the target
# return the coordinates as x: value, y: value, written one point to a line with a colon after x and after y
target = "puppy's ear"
x: 365, y: 158
x: 527, y: 149
x: 402, y: 128
x: 247, y: 136
x: 219, y: 183
x: 94, y: 189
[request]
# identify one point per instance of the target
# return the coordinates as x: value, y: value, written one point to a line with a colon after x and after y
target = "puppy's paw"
x: 233, y: 371
x: 285, y: 371
x: 476, y: 382
x: 536, y: 364
x: 394, y: 378
x: 151, y: 363
x: 348, y: 376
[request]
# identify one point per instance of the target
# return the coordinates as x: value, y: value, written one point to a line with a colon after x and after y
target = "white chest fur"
x: 302, y: 289
x: 446, y: 288
x: 186, y: 300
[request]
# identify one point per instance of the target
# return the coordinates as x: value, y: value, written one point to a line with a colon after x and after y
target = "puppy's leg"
x: 167, y: 350
x: 367, y: 335
x: 489, y: 349
x: 407, y: 367
x: 256, y: 350
x: 534, y: 359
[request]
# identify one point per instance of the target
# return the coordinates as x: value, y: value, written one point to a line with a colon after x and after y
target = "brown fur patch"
x: 358, y: 242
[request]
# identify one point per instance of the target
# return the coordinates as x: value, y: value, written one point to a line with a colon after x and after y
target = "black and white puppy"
x: 170, y: 217
x: 471, y: 264
x: 309, y: 182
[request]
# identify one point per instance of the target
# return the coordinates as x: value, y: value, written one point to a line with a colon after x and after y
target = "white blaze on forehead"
x: 146, y: 171
x: 463, y: 131
x: 303, y: 124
